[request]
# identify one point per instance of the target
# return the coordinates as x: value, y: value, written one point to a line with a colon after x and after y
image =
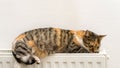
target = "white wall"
x: 100, y: 16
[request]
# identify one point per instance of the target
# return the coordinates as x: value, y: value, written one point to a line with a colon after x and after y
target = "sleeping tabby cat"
x: 31, y: 46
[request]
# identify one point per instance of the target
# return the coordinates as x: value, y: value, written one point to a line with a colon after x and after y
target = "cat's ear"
x: 87, y: 32
x: 102, y: 36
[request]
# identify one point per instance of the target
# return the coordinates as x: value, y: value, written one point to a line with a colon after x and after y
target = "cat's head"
x: 92, y: 41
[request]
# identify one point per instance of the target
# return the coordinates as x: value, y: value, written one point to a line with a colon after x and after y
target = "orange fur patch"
x: 80, y: 33
x: 72, y: 31
x: 76, y: 41
x: 39, y: 53
x: 20, y: 36
x: 31, y: 43
x: 58, y: 35
x: 43, y: 54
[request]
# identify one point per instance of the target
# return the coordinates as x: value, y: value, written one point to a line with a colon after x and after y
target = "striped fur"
x: 29, y: 47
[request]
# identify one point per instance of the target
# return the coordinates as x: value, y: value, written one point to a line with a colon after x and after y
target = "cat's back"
x: 47, y: 36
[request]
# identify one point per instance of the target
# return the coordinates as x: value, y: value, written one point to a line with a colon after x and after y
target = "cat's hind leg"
x: 37, y: 59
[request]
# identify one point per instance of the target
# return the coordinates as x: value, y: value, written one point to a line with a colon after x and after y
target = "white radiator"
x: 66, y: 60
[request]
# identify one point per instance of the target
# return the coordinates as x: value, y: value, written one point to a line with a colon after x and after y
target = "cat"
x: 33, y: 45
